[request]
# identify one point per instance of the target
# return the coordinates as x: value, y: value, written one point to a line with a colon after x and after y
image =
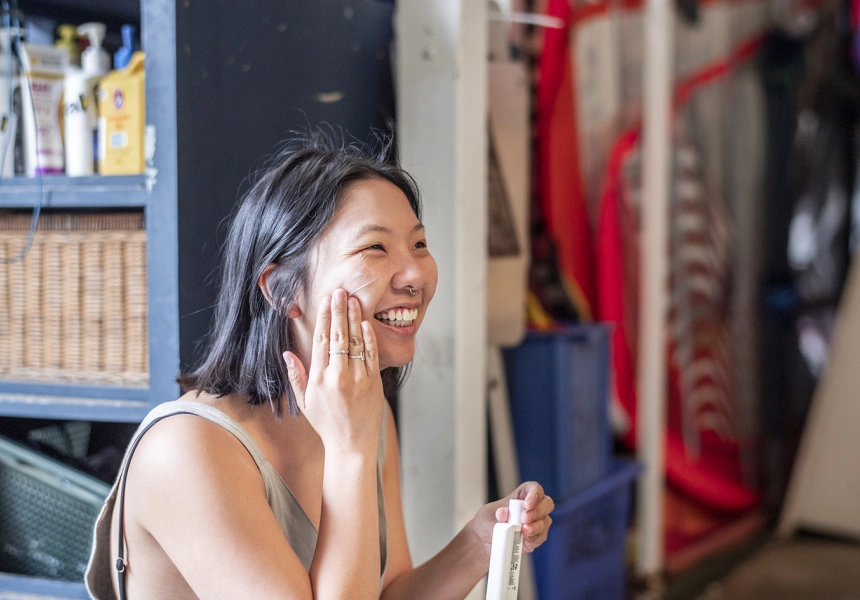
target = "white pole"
x: 442, y: 136
x: 651, y: 380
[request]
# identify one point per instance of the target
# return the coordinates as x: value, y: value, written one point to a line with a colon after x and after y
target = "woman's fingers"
x: 319, y: 354
x: 356, y: 338
x: 298, y: 377
x: 543, y: 508
x: 538, y: 527
x: 532, y: 541
x: 371, y: 351
x: 339, y: 346
x: 531, y: 493
x: 536, y: 508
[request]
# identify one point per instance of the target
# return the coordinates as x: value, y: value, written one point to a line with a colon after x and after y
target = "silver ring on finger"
x: 339, y: 352
x: 359, y: 356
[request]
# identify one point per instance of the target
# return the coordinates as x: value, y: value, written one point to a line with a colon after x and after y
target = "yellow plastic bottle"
x: 122, y: 119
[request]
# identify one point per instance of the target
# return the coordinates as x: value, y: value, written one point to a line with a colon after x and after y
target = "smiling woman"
x: 326, y: 280
x: 318, y: 215
x: 376, y: 231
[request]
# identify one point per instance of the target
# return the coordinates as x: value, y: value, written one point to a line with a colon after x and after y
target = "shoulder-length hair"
x: 279, y: 222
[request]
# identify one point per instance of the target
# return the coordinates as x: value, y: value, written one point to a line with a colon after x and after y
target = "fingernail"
x: 289, y: 360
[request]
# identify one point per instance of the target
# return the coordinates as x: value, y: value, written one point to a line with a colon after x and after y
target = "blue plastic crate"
x: 558, y: 383
x: 583, y: 556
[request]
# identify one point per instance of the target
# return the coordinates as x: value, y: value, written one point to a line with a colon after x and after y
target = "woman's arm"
x: 450, y: 574
x: 342, y: 399
x: 453, y: 572
x: 346, y: 560
x: 195, y: 493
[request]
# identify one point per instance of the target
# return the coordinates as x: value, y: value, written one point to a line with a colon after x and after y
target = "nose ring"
x: 412, y: 291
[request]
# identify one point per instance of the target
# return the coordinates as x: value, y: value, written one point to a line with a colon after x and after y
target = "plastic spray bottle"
x: 94, y: 60
x: 506, y: 555
x: 79, y: 102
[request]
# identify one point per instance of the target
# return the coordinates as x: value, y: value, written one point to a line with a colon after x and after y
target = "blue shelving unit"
x: 155, y: 194
x: 13, y: 586
x: 77, y: 192
x: 79, y: 402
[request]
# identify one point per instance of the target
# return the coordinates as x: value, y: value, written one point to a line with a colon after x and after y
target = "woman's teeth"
x: 398, y: 318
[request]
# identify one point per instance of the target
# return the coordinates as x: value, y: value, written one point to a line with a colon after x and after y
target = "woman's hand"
x: 535, y: 517
x: 342, y: 395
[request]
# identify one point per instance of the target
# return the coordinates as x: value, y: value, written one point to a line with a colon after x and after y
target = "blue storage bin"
x: 583, y: 556
x: 558, y: 383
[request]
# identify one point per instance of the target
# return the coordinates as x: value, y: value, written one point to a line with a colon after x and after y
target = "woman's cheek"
x: 432, y: 278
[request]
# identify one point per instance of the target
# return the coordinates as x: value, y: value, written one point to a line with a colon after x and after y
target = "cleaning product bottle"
x: 42, y: 72
x: 95, y: 59
x: 505, y: 555
x: 123, y: 55
x: 68, y: 38
x: 122, y: 120
x: 81, y: 139
x: 78, y: 122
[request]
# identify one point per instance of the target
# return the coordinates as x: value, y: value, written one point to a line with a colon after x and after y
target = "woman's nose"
x: 410, y: 274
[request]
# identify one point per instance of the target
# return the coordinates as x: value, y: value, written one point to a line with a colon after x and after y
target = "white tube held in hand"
x: 505, y: 555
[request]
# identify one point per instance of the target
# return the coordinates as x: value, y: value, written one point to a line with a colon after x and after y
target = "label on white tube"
x: 505, y: 556
x: 516, y: 557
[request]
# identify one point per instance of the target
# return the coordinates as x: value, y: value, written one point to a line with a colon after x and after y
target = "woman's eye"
x: 422, y: 245
x: 376, y: 247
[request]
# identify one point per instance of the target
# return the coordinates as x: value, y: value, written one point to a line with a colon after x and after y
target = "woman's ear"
x: 262, y: 282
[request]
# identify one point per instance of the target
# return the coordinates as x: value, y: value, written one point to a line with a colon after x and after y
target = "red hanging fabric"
x: 561, y: 198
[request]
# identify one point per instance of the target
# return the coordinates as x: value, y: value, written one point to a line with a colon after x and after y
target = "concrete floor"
x: 799, y: 569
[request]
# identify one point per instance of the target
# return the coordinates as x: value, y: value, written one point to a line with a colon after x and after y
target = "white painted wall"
x: 442, y: 117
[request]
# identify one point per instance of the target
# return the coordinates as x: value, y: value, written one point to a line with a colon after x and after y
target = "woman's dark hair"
x: 279, y: 221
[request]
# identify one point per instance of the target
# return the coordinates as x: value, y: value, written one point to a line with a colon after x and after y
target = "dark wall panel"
x: 248, y: 74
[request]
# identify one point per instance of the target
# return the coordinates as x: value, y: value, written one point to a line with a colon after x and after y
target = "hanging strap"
x: 120, y: 548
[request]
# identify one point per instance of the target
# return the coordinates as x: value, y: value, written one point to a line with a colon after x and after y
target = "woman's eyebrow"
x: 382, y: 229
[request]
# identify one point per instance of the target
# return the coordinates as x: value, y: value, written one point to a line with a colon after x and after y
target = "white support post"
x: 441, y: 78
x: 651, y: 379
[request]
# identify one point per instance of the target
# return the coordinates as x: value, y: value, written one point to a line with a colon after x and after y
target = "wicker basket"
x: 74, y: 310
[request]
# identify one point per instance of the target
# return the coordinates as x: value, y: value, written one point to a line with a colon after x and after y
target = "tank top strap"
x: 210, y: 413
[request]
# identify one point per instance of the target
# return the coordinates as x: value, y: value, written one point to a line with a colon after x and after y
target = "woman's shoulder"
x: 183, y: 448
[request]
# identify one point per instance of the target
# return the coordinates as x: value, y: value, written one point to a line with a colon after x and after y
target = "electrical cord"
x: 11, y: 21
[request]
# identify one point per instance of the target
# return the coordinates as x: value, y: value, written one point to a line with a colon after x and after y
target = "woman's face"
x: 374, y: 248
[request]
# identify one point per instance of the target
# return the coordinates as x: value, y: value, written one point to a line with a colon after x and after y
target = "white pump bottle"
x: 506, y: 555
x: 79, y: 102
x: 95, y: 61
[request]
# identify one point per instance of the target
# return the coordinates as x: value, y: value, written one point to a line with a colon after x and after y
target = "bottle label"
x: 119, y: 139
x: 516, y: 553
